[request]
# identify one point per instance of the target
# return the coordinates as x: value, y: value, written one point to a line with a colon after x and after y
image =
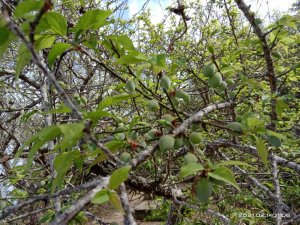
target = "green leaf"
x: 123, y: 41
x: 224, y: 174
x: 261, y: 150
x: 275, y: 141
x: 234, y: 163
x: 272, y: 133
x: 38, y: 140
x: 54, y: 22
x: 95, y: 116
x: 159, y: 60
x: 280, y: 106
x: 47, y: 217
x: 203, y: 190
x: 235, y: 126
x: 115, y: 201
x: 112, y: 100
x: 190, y: 169
x: 56, y: 51
x: 6, y: 37
x: 92, y: 19
x: 62, y: 163
x: 45, y: 41
x: 115, y: 145
x: 23, y: 59
x: 62, y: 108
x: 118, y: 177
x: 72, y: 132
x: 27, y: 115
x: 101, y: 197
x: 165, y: 82
x: 27, y: 7
x: 132, y: 58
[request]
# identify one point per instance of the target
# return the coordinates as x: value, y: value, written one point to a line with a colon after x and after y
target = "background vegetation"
x: 200, y: 111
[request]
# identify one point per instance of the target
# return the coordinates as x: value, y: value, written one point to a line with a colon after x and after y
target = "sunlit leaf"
x: 118, y: 177
x: 224, y: 174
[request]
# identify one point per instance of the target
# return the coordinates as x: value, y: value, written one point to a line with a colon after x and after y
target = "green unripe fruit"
x: 43, y: 183
x: 119, y: 119
x: 292, y: 155
x: 130, y: 86
x: 125, y: 157
x: 83, y: 100
x: 257, y: 21
x: 165, y: 82
x: 223, y: 86
x: 166, y: 143
x: 195, y: 138
x: 190, y: 158
x: 151, y: 134
x: 285, y: 154
x: 168, y: 117
x: 209, y: 70
x: 230, y: 82
x: 183, y: 95
x: 2, y: 204
x: 215, y: 80
x: 152, y: 105
x: 178, y: 143
x: 120, y: 136
x: 235, y: 126
x: 76, y: 96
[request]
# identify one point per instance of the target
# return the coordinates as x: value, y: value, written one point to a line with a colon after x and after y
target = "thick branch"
x: 267, y: 55
x: 67, y: 215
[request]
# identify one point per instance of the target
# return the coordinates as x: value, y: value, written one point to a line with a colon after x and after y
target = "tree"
x: 201, y: 110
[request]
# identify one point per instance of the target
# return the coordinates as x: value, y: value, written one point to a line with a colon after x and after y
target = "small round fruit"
x: 285, y: 154
x: 152, y: 105
x: 223, y: 85
x: 125, y: 157
x: 168, y: 117
x: 2, y: 204
x: 165, y: 82
x: 190, y: 158
x: 230, y: 82
x: 130, y: 86
x: 43, y: 183
x: 178, y: 143
x: 120, y: 136
x: 292, y: 155
x: 195, y: 138
x: 76, y: 96
x: 215, y: 80
x: 209, y: 70
x: 166, y: 143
